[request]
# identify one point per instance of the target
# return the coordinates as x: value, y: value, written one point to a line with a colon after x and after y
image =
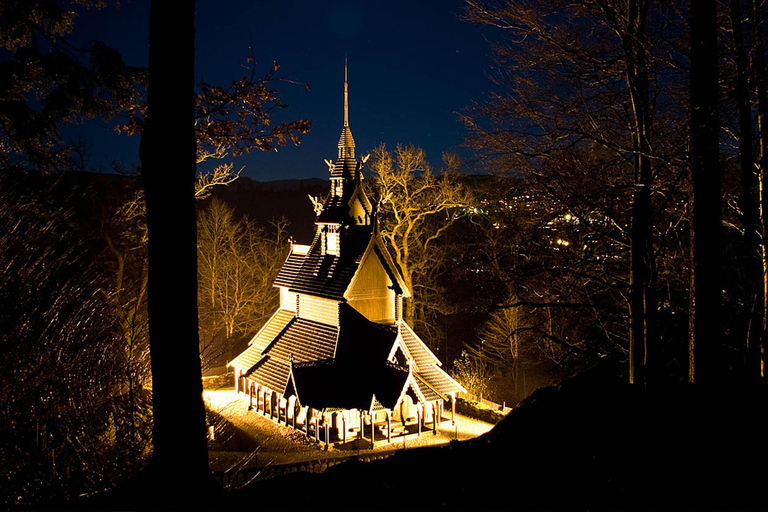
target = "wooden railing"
x: 502, y: 408
x: 238, y: 478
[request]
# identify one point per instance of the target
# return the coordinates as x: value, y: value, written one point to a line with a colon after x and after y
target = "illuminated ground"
x: 245, y: 438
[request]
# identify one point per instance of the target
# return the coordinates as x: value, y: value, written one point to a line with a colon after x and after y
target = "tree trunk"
x: 642, y: 297
x: 705, y: 334
x: 168, y: 158
x: 750, y: 253
x: 762, y: 164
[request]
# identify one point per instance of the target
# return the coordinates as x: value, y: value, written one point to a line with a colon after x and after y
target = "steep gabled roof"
x: 328, y: 275
x: 304, y: 340
x: 431, y: 379
x: 290, y: 269
x: 274, y: 326
x: 334, y: 211
x: 376, y: 247
x: 359, y: 371
x: 420, y: 354
x: 345, y: 166
x: 359, y: 194
x: 362, y: 341
x: 429, y: 393
x: 271, y: 329
x: 326, y: 385
x: 301, y: 340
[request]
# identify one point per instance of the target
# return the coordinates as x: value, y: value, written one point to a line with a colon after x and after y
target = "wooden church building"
x: 336, y: 360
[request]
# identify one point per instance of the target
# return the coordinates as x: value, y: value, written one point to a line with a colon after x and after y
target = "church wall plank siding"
x: 318, y: 309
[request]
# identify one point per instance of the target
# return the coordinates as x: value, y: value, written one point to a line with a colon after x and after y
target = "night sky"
x: 412, y: 65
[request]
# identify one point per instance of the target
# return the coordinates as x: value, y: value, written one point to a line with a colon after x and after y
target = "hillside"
x: 264, y: 202
x: 591, y: 443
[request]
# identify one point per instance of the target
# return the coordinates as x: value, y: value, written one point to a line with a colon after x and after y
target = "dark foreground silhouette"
x: 593, y: 442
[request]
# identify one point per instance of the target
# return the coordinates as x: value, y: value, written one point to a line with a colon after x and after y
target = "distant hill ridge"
x: 262, y: 202
x: 265, y: 202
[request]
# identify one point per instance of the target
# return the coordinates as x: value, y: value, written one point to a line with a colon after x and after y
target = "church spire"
x: 347, y: 203
x: 346, y: 141
x: 346, y: 94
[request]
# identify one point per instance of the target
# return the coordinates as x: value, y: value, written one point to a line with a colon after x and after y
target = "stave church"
x: 336, y: 360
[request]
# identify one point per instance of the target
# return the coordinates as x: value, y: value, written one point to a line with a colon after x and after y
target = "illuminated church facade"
x: 336, y: 360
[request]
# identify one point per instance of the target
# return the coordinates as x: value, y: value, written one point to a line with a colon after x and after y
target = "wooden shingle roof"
x: 331, y: 385
x: 328, y: 275
x: 305, y: 340
x: 431, y: 379
x: 346, y: 140
x: 274, y: 326
x: 301, y: 340
x: 334, y: 210
x: 359, y: 370
x: 420, y: 354
x: 425, y: 390
x: 290, y: 269
x: 345, y: 166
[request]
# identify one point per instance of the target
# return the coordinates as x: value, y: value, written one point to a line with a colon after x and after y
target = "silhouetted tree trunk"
x: 762, y: 159
x: 705, y: 335
x: 642, y: 297
x: 750, y: 253
x: 168, y: 156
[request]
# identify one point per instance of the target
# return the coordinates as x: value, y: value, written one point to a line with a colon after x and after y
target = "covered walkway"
x: 244, y: 438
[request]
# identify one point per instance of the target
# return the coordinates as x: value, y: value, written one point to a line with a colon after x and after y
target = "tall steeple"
x: 347, y: 204
x: 346, y: 141
x: 346, y: 94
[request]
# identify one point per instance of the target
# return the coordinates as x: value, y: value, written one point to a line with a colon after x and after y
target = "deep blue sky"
x: 412, y: 65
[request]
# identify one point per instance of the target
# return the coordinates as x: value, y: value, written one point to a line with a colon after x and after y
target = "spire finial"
x: 346, y: 94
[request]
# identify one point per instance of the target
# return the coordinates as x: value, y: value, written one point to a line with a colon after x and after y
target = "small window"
x: 332, y: 243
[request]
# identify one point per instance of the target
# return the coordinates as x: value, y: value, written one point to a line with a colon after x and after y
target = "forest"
x: 600, y: 262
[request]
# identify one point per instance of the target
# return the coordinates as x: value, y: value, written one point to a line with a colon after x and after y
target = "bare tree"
x: 123, y: 230
x: 417, y: 207
x: 67, y: 422
x: 47, y: 82
x: 761, y: 90
x: 706, y: 332
x: 750, y: 248
x: 237, y: 264
x: 590, y: 88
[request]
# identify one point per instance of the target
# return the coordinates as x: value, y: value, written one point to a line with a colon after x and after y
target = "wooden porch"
x: 348, y: 429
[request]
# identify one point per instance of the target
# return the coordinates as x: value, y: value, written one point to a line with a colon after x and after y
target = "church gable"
x: 360, y: 209
x: 376, y: 269
x: 372, y: 289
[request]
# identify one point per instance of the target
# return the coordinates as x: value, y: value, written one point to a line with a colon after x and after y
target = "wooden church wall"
x: 370, y: 293
x: 318, y: 309
x: 287, y: 299
x: 357, y: 212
